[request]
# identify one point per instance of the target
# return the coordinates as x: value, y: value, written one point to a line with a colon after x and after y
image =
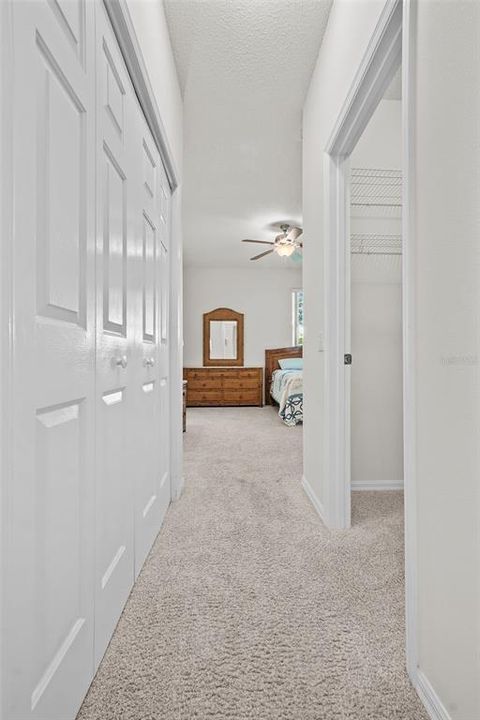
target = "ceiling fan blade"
x: 294, y: 233
x: 257, y: 257
x: 262, y: 242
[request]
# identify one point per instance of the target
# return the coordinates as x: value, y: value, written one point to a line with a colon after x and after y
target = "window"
x: 297, y: 317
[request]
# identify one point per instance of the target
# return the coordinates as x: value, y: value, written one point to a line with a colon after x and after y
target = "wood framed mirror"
x: 222, y: 338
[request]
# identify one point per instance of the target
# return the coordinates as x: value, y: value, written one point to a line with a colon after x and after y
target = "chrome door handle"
x: 149, y: 362
x: 121, y: 361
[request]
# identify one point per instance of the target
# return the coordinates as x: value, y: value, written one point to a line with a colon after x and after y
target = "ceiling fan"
x: 284, y: 244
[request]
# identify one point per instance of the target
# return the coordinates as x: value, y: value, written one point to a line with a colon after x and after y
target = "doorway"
x: 374, y: 314
x: 390, y: 47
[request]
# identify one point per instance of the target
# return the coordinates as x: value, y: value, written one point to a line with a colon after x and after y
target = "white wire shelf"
x: 375, y: 192
x: 375, y: 244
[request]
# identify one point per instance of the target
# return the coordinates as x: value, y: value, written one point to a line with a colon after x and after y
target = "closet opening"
x: 373, y: 323
x: 370, y: 288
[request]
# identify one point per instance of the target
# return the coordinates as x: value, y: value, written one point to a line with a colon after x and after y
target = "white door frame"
x: 6, y: 289
x: 123, y: 28
x: 391, y: 43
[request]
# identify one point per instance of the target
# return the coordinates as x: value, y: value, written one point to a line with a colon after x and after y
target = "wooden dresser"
x: 211, y: 386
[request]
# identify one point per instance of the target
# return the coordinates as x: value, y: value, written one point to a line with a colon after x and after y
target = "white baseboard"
x: 433, y: 705
x: 178, y: 489
x: 314, y: 500
x: 380, y: 485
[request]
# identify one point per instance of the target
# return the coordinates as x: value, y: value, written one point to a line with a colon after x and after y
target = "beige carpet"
x: 248, y: 608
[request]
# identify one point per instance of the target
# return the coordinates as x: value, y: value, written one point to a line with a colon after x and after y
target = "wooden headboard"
x: 271, y: 363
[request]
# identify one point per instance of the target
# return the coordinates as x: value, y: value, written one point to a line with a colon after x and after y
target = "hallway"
x: 247, y: 607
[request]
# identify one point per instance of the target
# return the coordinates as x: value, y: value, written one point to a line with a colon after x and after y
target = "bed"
x: 284, y: 387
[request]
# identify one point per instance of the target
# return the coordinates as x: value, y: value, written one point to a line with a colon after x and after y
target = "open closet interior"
x: 376, y: 302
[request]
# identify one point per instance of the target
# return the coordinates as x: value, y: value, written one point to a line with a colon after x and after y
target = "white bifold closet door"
x: 90, y: 483
x: 116, y: 370
x: 133, y: 487
x: 47, y: 658
x: 150, y: 431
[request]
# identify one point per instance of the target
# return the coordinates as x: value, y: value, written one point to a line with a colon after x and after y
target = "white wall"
x: 376, y: 374
x: 350, y: 27
x: 447, y: 124
x: 380, y: 145
x: 376, y: 323
x: 447, y: 306
x: 262, y: 294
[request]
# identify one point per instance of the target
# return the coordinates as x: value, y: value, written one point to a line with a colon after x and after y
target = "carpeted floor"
x: 248, y: 608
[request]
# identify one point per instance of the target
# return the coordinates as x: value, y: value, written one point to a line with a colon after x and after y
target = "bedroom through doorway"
x: 247, y: 352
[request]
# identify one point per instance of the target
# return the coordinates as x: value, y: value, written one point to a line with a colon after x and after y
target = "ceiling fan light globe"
x: 285, y: 249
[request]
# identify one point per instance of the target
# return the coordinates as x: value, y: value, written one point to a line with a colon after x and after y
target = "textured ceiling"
x: 244, y: 68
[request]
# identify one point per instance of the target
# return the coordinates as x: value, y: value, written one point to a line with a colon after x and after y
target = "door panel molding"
x: 61, y: 197
x: 73, y: 28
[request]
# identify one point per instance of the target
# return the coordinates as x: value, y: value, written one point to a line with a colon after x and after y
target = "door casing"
x: 6, y: 289
x: 390, y: 45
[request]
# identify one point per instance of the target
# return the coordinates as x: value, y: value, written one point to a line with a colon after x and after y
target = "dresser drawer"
x: 239, y: 397
x: 249, y: 374
x: 205, y: 384
x: 203, y: 376
x: 240, y: 384
x: 204, y: 397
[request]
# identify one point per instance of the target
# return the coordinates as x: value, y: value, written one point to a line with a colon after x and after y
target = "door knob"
x: 149, y: 362
x: 121, y: 361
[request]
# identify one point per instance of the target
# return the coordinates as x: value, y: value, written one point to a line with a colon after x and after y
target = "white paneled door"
x: 152, y: 481
x: 133, y: 487
x: 48, y: 659
x: 90, y: 483
x: 115, y: 367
